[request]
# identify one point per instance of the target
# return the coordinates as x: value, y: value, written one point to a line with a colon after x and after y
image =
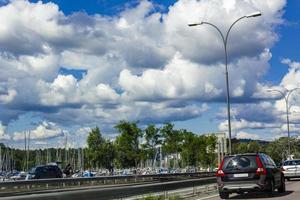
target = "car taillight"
x: 220, y: 172
x: 260, y: 170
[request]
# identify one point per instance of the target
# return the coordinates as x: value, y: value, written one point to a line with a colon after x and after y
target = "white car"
x: 291, y: 168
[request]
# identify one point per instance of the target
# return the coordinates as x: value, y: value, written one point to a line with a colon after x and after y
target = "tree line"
x: 135, y: 147
x: 141, y: 147
x: 277, y: 149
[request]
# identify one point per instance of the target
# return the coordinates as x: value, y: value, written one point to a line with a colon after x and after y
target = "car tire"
x: 224, y: 195
x: 282, y: 188
x: 288, y: 179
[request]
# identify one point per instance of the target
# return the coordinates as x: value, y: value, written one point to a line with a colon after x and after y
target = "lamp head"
x: 195, y: 24
x: 256, y: 14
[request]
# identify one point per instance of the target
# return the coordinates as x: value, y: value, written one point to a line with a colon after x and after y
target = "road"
x: 292, y: 193
x: 109, y: 192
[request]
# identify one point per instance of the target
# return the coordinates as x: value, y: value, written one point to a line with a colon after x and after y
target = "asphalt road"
x: 110, y: 192
x: 292, y: 193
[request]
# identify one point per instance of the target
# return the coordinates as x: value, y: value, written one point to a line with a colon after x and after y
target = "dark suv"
x: 249, y: 172
x: 45, y: 172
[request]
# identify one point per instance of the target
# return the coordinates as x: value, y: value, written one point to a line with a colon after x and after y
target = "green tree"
x: 211, y: 143
x: 94, y: 142
x: 108, y: 153
x: 152, y: 139
x: 277, y: 149
x: 173, y: 141
x: 190, y: 148
x: 127, y: 144
x: 253, y: 147
x: 241, y: 147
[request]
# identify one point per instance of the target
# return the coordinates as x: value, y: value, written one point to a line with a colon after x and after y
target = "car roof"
x: 245, y: 154
x: 292, y: 160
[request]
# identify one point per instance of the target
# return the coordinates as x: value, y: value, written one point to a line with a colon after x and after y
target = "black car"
x: 45, y: 172
x: 249, y: 172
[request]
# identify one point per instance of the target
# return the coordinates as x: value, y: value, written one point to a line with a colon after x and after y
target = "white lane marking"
x: 209, y: 197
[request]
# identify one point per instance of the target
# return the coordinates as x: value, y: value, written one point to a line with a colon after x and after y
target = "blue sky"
x: 289, y: 42
x: 71, y: 66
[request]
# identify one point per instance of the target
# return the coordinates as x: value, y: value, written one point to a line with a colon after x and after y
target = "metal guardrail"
x: 64, y: 184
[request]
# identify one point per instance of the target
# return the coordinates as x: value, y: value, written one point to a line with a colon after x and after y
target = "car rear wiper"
x: 233, y: 168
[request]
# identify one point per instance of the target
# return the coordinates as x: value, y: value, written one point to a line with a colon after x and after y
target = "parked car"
x: 16, y: 175
x: 249, y: 172
x: 45, y: 172
x: 291, y: 169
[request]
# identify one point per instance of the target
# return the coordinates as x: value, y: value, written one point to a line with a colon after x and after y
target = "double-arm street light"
x: 225, y: 39
x: 286, y: 98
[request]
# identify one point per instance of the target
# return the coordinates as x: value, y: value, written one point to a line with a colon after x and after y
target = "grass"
x: 160, y: 198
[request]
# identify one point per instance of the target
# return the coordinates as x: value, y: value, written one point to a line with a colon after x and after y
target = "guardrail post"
x: 166, y: 194
x: 47, y: 186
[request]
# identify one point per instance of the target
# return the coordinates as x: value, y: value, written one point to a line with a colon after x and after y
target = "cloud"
x: 244, y: 135
x: 271, y: 115
x: 244, y: 124
x: 45, y: 130
x: 65, y: 89
x: 3, y: 135
x: 141, y: 64
x: 6, y: 98
x: 203, y: 43
x: 292, y: 78
x: 183, y: 79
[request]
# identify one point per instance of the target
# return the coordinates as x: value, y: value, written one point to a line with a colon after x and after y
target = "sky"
x: 68, y: 67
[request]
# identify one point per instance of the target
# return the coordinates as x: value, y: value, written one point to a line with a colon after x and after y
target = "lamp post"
x: 286, y: 98
x: 224, y: 40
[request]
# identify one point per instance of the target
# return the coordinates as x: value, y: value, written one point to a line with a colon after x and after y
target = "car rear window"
x: 291, y: 162
x: 240, y: 162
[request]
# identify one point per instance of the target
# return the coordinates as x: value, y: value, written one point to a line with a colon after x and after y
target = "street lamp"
x: 286, y: 98
x: 225, y: 39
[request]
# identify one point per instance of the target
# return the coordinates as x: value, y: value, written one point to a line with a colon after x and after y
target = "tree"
x: 253, y: 147
x: 101, y: 152
x: 172, y: 143
x: 127, y: 144
x: 94, y: 139
x: 108, y: 153
x: 211, y: 142
x: 241, y: 147
x: 278, y: 149
x: 152, y: 139
x: 190, y: 148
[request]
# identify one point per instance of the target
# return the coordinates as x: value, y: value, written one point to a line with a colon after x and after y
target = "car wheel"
x: 288, y: 179
x: 224, y: 195
x: 282, y: 189
x: 271, y: 188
